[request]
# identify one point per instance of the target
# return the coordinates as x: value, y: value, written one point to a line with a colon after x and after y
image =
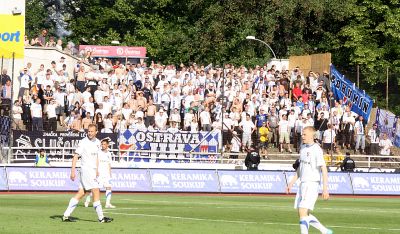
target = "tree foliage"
x: 35, y: 20
x: 371, y: 37
x: 356, y: 32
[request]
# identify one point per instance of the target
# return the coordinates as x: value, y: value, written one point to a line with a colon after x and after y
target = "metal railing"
x: 24, y: 154
x: 65, y: 154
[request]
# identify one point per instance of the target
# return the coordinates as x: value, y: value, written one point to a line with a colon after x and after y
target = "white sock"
x: 99, y: 209
x: 108, y: 197
x: 89, y: 197
x: 315, y: 223
x: 71, y: 207
x: 304, y: 224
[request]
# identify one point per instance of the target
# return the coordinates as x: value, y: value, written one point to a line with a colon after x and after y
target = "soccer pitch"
x: 191, y: 213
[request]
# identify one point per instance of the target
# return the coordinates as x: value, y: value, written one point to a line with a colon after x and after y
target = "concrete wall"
x: 281, y: 64
x: 40, y: 55
x: 37, y: 56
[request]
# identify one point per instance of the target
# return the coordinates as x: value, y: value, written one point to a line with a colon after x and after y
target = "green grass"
x: 166, y: 213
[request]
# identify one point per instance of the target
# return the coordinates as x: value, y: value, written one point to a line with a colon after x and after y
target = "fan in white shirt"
x: 161, y: 119
x: 385, y: 145
x: 284, y: 133
x: 248, y: 128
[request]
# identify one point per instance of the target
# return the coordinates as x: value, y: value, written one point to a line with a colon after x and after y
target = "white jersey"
x: 329, y: 135
x: 104, y: 162
x: 88, y: 150
x: 247, y: 126
x: 311, y: 161
x: 283, y: 126
x: 373, y: 136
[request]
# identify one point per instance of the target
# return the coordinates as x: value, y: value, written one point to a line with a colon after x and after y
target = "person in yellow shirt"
x: 41, y: 159
x: 263, y: 133
x: 336, y: 160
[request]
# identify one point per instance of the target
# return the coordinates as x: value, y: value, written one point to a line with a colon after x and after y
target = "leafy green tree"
x: 35, y: 21
x: 371, y: 37
x: 356, y: 32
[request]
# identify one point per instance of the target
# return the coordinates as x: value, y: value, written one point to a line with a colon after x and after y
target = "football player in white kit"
x: 88, y: 150
x: 104, y: 173
x: 309, y: 171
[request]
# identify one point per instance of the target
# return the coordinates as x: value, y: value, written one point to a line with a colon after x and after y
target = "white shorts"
x: 307, y: 195
x: 104, y: 181
x: 246, y: 139
x: 88, y: 179
x: 284, y: 137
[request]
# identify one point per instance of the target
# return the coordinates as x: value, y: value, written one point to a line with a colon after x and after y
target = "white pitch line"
x: 184, y: 218
x: 238, y: 205
x: 245, y: 222
x: 133, y: 208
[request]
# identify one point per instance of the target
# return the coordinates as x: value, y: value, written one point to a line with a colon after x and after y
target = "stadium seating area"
x: 253, y: 106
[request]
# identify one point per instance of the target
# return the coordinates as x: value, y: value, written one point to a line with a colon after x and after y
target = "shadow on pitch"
x: 74, y: 219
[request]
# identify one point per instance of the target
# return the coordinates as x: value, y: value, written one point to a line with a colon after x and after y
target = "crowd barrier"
x: 210, y: 181
x: 132, y: 144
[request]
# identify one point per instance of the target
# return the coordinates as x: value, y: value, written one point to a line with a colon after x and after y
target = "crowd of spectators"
x: 259, y: 106
x: 43, y: 40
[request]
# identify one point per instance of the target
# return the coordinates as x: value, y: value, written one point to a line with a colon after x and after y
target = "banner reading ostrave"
x: 12, y: 32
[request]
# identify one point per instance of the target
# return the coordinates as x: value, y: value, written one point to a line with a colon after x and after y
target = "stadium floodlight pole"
x: 255, y: 39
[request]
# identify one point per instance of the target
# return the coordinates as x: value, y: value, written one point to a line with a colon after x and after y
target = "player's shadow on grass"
x: 74, y: 219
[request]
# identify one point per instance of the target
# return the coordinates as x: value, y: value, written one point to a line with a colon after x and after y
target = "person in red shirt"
x: 296, y: 92
x: 305, y: 95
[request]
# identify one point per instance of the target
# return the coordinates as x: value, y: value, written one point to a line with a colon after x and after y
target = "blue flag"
x: 346, y: 90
